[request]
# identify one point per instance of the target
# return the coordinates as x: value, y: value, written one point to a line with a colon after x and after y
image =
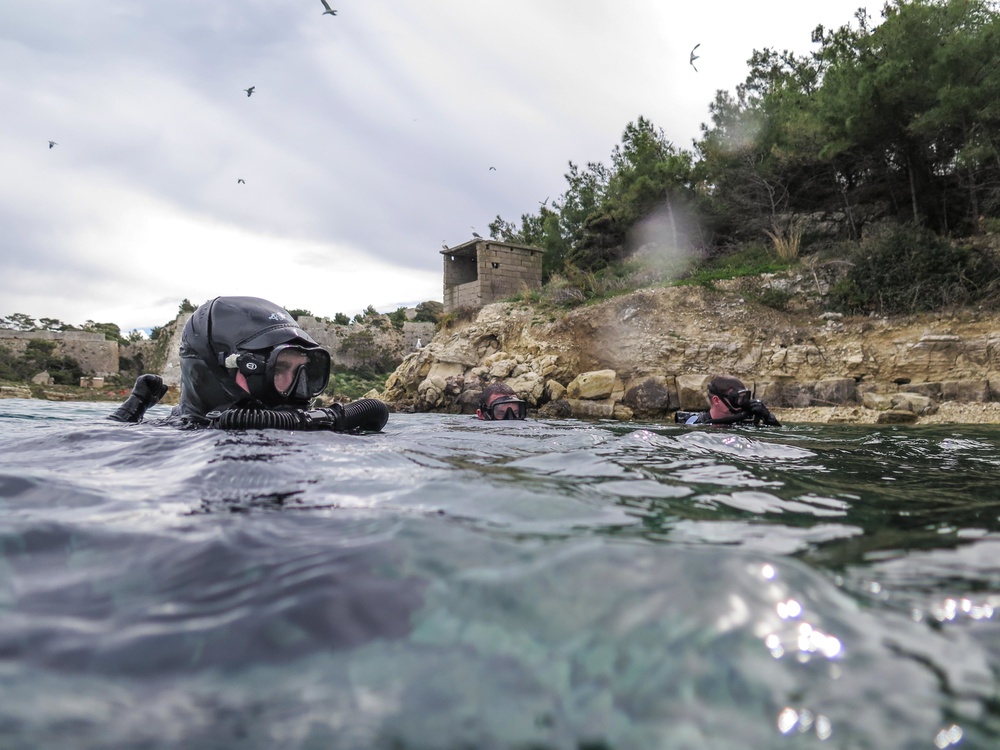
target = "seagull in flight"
x: 329, y: 10
x: 493, y: 169
x: 250, y: 91
x: 694, y: 56
x: 52, y: 143
x: 240, y: 181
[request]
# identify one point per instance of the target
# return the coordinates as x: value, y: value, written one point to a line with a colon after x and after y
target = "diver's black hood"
x: 224, y: 326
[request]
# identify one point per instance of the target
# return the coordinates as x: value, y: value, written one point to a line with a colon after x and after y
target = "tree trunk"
x: 913, y: 188
x: 973, y: 197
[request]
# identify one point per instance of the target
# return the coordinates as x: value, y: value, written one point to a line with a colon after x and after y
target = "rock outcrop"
x: 647, y: 354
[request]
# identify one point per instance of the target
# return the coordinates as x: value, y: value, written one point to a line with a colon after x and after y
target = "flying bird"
x: 52, y: 143
x: 239, y: 181
x: 493, y: 169
x: 329, y: 10
x: 694, y: 56
x: 250, y: 91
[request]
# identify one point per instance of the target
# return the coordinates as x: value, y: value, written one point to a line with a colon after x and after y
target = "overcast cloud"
x: 367, y: 142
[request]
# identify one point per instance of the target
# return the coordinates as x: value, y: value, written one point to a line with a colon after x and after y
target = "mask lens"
x: 508, y: 408
x: 741, y: 400
x: 302, y: 373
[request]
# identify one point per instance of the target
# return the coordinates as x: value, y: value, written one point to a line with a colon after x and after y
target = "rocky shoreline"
x: 948, y: 412
x: 647, y: 354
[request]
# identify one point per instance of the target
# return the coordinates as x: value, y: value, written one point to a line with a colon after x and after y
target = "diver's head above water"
x: 248, y: 351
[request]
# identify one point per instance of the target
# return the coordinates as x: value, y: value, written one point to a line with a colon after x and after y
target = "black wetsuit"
x: 215, y: 339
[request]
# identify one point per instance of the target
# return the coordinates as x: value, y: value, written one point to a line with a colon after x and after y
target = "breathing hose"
x: 364, y: 415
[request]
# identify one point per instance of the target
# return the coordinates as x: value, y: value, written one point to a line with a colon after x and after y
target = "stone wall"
x: 482, y: 272
x: 95, y: 354
x: 506, y: 270
x: 417, y: 335
x: 463, y: 295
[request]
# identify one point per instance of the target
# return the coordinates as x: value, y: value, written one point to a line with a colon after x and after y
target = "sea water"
x: 451, y: 583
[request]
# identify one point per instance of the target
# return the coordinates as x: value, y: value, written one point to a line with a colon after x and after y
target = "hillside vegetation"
x: 878, y: 150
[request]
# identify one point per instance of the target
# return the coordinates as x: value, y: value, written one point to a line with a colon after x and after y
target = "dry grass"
x: 787, y: 242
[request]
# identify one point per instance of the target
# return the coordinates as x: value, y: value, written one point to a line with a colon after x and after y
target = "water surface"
x: 451, y: 583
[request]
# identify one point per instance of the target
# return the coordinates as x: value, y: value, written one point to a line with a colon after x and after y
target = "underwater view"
x: 453, y: 583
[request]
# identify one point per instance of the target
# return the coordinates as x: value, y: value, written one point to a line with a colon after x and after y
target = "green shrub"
x: 751, y: 260
x: 39, y: 356
x: 907, y: 269
x: 354, y: 385
x: 776, y: 299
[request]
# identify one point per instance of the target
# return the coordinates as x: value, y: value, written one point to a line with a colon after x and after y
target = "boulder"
x: 444, y: 370
x: 893, y: 416
x: 692, y: 392
x: 622, y: 413
x: 594, y: 385
x: 834, y: 392
x: 554, y: 390
x: 650, y: 396
x: 559, y: 409
x: 915, y: 402
x: 454, y: 385
x: 528, y: 386
x: 994, y: 386
x: 590, y: 409
x: 431, y: 391
x: 973, y: 391
x: 502, y: 368
x: 872, y: 400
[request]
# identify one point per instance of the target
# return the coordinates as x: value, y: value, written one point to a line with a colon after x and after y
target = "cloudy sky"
x: 367, y: 142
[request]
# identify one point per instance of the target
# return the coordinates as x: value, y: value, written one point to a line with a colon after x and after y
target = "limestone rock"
x: 431, y: 391
x: 58, y: 396
x: 594, y: 385
x: 657, y: 348
x: 692, y: 392
x: 502, y: 368
x: 558, y: 409
x: 977, y: 391
x: 554, y: 390
x: 876, y: 401
x: 650, y: 396
x: 892, y: 416
x: 14, y: 391
x: 621, y: 412
x: 914, y: 402
x: 528, y: 386
x: 590, y: 409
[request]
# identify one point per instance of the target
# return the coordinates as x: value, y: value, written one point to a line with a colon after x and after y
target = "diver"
x: 246, y: 364
x: 730, y: 403
x: 499, y: 401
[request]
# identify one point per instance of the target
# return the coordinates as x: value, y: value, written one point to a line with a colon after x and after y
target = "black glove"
x: 147, y: 392
x: 761, y: 414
